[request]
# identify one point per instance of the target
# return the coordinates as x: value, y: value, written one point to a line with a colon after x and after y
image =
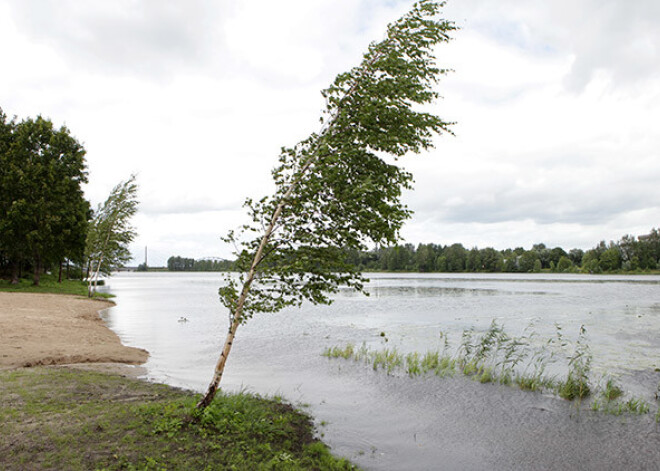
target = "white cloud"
x: 123, y: 37
x: 556, y: 106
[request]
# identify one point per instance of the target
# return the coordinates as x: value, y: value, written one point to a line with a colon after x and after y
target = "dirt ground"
x: 53, y: 329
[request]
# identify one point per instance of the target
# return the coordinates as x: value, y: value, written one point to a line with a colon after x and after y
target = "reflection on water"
x: 427, y: 291
x: 280, y: 353
x: 438, y: 291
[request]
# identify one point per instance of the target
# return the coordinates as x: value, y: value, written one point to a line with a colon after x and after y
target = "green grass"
x: 336, y: 352
x: 574, y: 387
x: 634, y: 406
x: 611, y: 391
x: 413, y: 366
x: 531, y: 382
x: 49, y: 284
x: 78, y: 420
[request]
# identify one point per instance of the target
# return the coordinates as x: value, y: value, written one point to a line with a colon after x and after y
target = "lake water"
x: 396, y: 422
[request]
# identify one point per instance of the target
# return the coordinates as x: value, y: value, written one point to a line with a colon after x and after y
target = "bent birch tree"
x: 110, y: 232
x: 336, y: 190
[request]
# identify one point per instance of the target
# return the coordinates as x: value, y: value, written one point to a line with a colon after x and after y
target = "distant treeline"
x: 629, y: 254
x: 190, y: 264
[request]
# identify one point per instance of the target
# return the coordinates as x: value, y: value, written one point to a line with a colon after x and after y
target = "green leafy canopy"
x: 110, y: 231
x: 43, y: 213
x: 336, y: 189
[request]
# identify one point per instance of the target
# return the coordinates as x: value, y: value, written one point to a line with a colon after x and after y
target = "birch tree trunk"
x: 101, y: 258
x: 238, y: 311
x: 94, y: 279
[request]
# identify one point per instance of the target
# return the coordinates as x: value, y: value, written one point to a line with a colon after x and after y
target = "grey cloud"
x: 158, y: 38
x: 150, y: 37
x: 618, y: 37
x: 544, y: 209
x: 593, y: 194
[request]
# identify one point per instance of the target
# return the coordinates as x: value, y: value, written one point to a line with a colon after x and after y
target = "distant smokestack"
x: 145, y: 256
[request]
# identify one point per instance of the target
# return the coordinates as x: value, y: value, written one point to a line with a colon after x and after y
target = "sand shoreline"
x: 53, y: 329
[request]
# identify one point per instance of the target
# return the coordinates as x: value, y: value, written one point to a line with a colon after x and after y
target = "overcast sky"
x: 557, y: 107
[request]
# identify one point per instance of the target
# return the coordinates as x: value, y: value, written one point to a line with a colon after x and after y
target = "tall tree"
x: 7, y: 183
x: 43, y: 211
x: 111, y: 231
x: 491, y: 260
x: 473, y: 261
x: 652, y: 243
x: 335, y: 190
x: 576, y: 256
x: 610, y: 259
x: 528, y: 259
x: 425, y: 258
x: 70, y: 227
x: 456, y: 257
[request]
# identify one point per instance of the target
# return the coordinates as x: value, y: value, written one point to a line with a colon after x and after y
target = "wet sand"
x: 52, y: 329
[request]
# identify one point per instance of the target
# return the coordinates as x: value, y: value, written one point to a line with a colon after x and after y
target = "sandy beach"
x: 53, y: 329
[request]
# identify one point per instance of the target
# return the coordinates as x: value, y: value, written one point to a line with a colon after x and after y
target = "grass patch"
x: 611, y: 391
x: 576, y: 385
x: 338, y: 352
x: 55, y: 418
x: 388, y: 359
x: 49, y: 284
x: 633, y: 405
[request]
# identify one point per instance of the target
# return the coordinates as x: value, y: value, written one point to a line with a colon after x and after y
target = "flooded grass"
x: 611, y: 391
x: 633, y: 405
x: 496, y: 357
x: 339, y: 352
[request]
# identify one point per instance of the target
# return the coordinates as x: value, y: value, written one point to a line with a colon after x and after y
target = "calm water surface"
x: 386, y: 422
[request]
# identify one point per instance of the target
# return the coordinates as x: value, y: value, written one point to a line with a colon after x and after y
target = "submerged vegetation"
x: 56, y: 418
x: 496, y: 357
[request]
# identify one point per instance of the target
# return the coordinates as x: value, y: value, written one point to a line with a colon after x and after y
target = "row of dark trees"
x: 190, y: 264
x: 43, y: 213
x: 628, y: 254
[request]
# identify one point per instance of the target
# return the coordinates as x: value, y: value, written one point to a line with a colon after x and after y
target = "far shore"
x: 53, y: 329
